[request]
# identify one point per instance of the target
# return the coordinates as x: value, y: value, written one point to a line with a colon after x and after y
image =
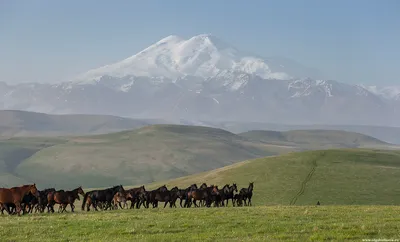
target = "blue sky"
x: 49, y: 41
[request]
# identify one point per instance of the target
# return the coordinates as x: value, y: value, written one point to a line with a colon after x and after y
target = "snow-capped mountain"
x: 204, y: 78
x: 173, y: 57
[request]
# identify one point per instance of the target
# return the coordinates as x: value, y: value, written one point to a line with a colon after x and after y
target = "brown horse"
x: 15, y: 195
x: 64, y: 198
x: 121, y: 197
x: 204, y: 194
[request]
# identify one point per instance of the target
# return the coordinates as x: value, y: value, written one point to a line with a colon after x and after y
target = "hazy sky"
x: 354, y: 41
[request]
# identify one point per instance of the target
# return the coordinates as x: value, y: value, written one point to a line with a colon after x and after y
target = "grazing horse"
x: 95, y: 197
x: 247, y: 194
x: 15, y: 195
x: 64, y: 198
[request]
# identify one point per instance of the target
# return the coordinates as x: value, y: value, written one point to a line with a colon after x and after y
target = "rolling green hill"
x: 22, y: 123
x: 15, y: 151
x: 387, y: 134
x: 340, y: 177
x: 314, y: 139
x: 145, y: 155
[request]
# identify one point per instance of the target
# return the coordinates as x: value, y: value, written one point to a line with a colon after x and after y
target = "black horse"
x: 161, y: 194
x: 227, y: 193
x: 247, y: 194
x: 43, y: 202
x: 95, y: 197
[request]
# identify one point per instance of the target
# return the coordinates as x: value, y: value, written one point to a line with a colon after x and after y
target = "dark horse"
x: 93, y: 198
x: 64, y: 198
x: 135, y: 196
x: 247, y: 194
x: 161, y: 194
x: 43, y: 201
x: 203, y: 194
x: 15, y: 195
x: 227, y: 193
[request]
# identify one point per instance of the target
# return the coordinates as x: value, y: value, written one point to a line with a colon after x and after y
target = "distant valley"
x: 152, y: 153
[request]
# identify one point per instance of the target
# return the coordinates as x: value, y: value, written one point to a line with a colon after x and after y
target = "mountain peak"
x: 170, y: 39
x: 203, y: 55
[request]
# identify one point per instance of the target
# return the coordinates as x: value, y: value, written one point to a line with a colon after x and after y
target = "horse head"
x: 80, y: 191
x: 215, y: 190
x: 119, y: 188
x: 34, y: 190
x: 234, y: 187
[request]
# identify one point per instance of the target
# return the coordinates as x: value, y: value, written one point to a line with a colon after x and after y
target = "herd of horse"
x: 28, y: 199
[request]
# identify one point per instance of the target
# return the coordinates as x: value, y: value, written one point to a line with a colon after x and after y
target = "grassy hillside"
x: 314, y: 139
x: 153, y: 153
x: 14, y: 151
x: 21, y: 123
x: 145, y: 155
x: 347, y: 177
x: 273, y: 223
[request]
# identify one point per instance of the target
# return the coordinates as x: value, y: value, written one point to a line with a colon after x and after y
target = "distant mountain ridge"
x: 204, y: 78
x: 21, y: 123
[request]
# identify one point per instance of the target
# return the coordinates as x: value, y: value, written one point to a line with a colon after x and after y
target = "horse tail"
x: 84, y: 201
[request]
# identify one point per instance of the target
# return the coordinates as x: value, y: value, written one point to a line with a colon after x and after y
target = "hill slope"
x: 312, y: 139
x: 345, y: 176
x: 149, y: 154
x: 14, y: 151
x: 387, y: 134
x: 145, y: 155
x: 21, y: 123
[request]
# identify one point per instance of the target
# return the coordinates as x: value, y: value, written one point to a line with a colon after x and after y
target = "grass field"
x: 359, y: 191
x: 334, y: 177
x: 262, y: 223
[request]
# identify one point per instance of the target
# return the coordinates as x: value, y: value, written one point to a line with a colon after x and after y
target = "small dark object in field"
x: 318, y: 203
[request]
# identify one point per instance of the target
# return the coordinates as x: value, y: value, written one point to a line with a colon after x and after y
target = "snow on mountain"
x: 390, y: 92
x: 173, y: 57
x: 204, y: 78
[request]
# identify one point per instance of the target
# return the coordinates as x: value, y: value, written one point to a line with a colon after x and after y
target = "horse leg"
x: 95, y: 206
x: 8, y: 209
x: 18, y: 208
x: 72, y: 207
